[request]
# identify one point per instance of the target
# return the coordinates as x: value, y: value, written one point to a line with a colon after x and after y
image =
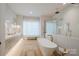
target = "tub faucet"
x: 51, y: 37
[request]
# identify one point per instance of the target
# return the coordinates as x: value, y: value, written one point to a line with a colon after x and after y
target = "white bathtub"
x: 46, y: 46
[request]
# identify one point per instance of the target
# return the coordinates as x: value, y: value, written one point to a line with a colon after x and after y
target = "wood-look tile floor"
x: 9, y: 43
x: 25, y: 48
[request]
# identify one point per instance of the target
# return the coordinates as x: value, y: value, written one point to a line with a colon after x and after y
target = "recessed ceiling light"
x: 30, y: 12
x: 64, y: 3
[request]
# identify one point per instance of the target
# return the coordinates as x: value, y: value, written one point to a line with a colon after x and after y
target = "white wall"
x: 42, y: 28
x: 10, y: 15
x: 71, y: 16
x: 2, y: 28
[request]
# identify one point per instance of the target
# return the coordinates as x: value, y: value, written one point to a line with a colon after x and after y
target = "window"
x: 50, y: 27
x: 31, y: 28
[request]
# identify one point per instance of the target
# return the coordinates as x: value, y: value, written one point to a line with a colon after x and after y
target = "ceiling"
x: 35, y: 9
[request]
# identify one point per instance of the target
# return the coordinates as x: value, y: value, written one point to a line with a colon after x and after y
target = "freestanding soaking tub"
x: 46, y: 46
